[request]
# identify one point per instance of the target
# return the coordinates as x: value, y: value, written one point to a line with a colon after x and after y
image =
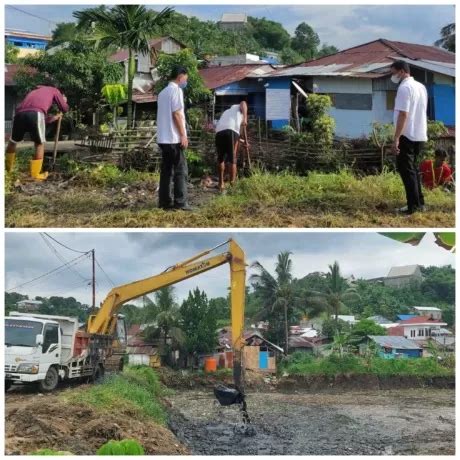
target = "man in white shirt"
x: 228, y: 137
x: 410, y: 120
x: 172, y: 140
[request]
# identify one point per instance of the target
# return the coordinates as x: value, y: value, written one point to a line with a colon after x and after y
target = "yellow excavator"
x: 104, y: 322
x: 59, y: 350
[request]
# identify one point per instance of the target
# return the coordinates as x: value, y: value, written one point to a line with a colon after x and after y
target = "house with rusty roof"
x: 146, y: 75
x: 229, y: 83
x: 418, y: 328
x: 358, y: 81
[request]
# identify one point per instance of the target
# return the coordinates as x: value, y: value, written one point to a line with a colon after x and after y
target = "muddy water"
x: 417, y: 422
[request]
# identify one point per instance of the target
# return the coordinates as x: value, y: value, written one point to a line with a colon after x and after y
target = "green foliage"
x: 290, y: 56
x: 137, y: 390
x: 78, y: 70
x: 362, y: 329
x: 327, y: 50
x: 447, y: 40
x: 330, y: 327
x: 305, y: 41
x: 270, y: 35
x: 196, y: 90
x: 198, y: 323
x: 64, y: 32
x: 305, y: 364
x: 11, y: 54
x: 114, y: 94
x: 123, y: 447
x: 196, y: 117
x: 382, y: 134
x: 196, y: 164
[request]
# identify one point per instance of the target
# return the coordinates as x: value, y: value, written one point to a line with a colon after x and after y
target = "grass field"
x: 303, y: 364
x: 103, y: 196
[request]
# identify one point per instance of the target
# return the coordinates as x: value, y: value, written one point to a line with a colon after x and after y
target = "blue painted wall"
x: 27, y: 42
x: 279, y: 83
x: 444, y: 103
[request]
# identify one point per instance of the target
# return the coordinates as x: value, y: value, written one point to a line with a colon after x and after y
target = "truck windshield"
x: 21, y: 333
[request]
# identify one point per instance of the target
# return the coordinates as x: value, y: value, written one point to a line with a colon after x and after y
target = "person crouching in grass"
x: 228, y: 129
x: 436, y: 173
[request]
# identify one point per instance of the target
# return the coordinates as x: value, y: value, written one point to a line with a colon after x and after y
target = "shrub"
x: 196, y: 165
x: 123, y: 447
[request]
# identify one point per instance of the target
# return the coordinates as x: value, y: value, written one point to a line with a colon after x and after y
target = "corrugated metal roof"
x: 395, y: 342
x: 405, y: 270
x: 217, y: 76
x: 426, y: 308
x: 142, y: 350
x: 123, y: 54
x: 438, y: 67
x: 234, y: 17
x: 421, y: 320
x: 371, y: 60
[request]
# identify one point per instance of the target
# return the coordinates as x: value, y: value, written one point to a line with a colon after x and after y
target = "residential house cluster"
x: 357, y: 80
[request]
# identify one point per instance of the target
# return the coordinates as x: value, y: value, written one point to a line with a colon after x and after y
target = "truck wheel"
x: 8, y: 384
x: 51, y: 381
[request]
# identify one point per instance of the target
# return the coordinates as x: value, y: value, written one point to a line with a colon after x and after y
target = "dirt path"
x: 405, y: 422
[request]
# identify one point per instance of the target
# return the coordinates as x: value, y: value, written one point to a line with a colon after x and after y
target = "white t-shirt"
x: 231, y: 119
x: 412, y: 98
x: 170, y: 99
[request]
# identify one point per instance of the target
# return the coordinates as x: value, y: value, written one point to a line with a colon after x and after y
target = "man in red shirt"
x: 436, y: 172
x: 31, y: 117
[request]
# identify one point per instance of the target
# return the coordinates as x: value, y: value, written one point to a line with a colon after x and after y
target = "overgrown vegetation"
x: 341, y: 199
x: 304, y: 364
x: 137, y: 390
x: 123, y: 447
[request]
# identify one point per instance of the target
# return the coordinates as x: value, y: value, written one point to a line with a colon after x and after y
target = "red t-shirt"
x: 433, y: 177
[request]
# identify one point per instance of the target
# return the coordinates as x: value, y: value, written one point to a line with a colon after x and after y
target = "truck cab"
x: 36, y: 346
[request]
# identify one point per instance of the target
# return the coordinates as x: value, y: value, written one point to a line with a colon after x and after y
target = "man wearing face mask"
x: 410, y: 120
x: 172, y: 140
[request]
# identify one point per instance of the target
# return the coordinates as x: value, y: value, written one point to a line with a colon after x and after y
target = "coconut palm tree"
x: 123, y: 27
x: 163, y: 312
x: 277, y: 293
x: 337, y: 294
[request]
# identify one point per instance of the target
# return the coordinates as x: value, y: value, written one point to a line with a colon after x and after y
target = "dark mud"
x: 400, y: 422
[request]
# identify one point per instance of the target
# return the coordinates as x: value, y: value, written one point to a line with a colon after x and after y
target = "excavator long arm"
x: 104, y: 321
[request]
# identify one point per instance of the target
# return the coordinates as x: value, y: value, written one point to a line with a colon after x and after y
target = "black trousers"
x: 407, y: 163
x: 173, y: 168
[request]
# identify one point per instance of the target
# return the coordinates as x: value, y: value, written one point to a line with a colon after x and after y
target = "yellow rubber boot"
x: 10, y: 160
x: 35, y: 168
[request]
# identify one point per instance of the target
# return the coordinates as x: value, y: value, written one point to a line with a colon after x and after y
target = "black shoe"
x: 184, y: 208
x: 166, y: 208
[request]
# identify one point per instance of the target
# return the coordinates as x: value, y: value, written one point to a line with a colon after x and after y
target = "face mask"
x: 395, y: 79
x: 183, y: 85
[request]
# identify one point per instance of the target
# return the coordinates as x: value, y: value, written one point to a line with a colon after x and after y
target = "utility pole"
x: 94, y: 277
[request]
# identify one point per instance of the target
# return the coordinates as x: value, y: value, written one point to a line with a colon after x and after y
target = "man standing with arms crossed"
x: 410, y: 120
x: 172, y: 140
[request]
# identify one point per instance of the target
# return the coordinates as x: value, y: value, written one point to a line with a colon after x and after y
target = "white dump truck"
x: 46, y: 349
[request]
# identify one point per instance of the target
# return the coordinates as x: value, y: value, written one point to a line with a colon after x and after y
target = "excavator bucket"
x: 228, y: 396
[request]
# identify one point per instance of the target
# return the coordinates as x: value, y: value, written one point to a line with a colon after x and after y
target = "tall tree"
x: 269, y: 34
x: 447, y: 40
x: 278, y: 297
x: 198, y: 323
x: 64, y: 32
x: 326, y: 50
x: 337, y: 293
x: 123, y: 27
x: 305, y: 41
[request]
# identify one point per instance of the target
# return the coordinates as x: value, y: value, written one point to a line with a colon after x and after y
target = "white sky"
x: 128, y: 256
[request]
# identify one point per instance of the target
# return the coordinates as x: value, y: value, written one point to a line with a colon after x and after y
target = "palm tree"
x: 277, y: 293
x: 123, y: 27
x: 164, y: 313
x: 337, y: 294
x: 447, y: 40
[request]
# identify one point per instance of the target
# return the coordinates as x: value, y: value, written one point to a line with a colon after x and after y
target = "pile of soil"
x: 46, y: 421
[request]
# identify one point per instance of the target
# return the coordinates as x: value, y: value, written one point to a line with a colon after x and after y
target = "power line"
x: 30, y: 14
x: 64, y: 246
x: 60, y: 257
x: 103, y: 271
x: 55, y: 271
